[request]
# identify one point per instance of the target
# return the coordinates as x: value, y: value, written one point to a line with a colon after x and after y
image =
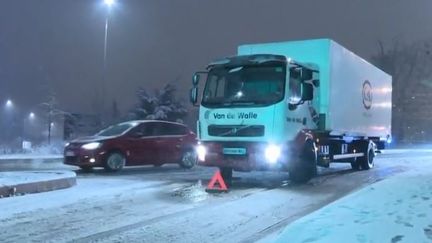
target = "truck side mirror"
x: 194, y: 95
x: 195, y: 79
x: 306, y: 74
x: 307, y: 91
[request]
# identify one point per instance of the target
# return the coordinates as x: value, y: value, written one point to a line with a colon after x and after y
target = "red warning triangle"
x: 217, y: 184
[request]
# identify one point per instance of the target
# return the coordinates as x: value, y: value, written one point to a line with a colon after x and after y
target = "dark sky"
x: 58, y: 44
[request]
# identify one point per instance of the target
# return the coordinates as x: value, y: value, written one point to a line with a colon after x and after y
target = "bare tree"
x: 411, y: 67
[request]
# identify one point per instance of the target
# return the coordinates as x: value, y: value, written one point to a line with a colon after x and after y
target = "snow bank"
x: 393, y: 210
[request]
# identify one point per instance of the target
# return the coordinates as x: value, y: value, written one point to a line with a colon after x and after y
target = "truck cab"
x: 252, y: 107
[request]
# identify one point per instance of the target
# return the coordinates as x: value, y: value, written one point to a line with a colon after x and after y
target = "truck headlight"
x: 273, y: 153
x: 91, y: 146
x: 201, y: 152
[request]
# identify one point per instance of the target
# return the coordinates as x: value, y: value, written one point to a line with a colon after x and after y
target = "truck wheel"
x: 115, y: 162
x: 355, y: 165
x: 226, y: 175
x: 188, y: 160
x: 305, y: 168
x: 366, y: 161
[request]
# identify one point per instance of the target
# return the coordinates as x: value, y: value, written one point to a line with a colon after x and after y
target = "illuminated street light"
x: 9, y: 103
x: 31, y: 115
x: 109, y: 3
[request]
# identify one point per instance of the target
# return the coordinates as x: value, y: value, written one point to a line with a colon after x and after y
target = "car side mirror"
x: 307, y: 91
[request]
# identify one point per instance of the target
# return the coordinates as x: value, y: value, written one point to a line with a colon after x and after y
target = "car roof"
x: 136, y: 122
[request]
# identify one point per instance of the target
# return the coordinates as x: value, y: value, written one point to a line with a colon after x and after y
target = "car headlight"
x: 273, y: 153
x: 201, y: 152
x: 91, y: 146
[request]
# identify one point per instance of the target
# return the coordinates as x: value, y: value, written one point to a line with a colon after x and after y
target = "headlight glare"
x: 91, y: 146
x: 273, y: 153
x: 201, y: 152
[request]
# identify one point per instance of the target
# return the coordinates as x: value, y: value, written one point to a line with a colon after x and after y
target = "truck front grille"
x: 236, y: 130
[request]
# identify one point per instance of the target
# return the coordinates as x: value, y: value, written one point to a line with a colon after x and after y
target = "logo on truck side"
x: 367, y: 95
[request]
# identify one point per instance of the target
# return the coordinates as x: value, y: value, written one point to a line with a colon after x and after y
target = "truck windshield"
x: 244, y: 85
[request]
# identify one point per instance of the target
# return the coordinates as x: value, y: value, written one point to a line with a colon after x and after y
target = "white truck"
x: 292, y: 106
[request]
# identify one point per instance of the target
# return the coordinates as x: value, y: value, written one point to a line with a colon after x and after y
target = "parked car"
x: 132, y: 143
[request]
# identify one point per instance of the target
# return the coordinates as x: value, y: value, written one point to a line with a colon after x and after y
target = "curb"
x: 67, y: 180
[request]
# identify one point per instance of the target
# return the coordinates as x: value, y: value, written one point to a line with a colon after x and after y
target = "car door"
x: 170, y: 142
x: 142, y: 145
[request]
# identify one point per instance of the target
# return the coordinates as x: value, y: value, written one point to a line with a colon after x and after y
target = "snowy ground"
x: 169, y: 204
x: 398, y: 209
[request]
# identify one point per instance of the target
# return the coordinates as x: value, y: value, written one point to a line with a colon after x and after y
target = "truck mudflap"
x: 243, y: 156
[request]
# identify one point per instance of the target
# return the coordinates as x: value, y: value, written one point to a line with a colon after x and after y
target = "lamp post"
x: 108, y: 4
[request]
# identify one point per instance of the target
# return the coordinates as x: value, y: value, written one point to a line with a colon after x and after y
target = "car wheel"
x: 189, y: 159
x: 115, y: 161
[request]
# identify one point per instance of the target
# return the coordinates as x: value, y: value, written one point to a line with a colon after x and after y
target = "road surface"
x: 169, y: 204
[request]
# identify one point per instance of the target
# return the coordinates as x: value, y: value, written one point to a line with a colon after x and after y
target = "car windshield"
x: 115, y: 130
x: 244, y: 85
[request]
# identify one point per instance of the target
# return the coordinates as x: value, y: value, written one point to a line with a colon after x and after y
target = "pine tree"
x: 162, y: 105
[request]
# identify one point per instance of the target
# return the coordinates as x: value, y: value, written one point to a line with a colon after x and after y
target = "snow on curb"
x: 30, y: 156
x: 18, y: 183
x: 393, y: 210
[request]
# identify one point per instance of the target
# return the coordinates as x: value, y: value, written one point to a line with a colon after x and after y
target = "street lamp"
x: 31, y: 115
x: 9, y: 104
x: 108, y: 4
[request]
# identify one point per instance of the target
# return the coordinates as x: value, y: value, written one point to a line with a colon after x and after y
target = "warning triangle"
x: 217, y: 184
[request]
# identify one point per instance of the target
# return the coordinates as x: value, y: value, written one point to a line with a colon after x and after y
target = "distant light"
x: 31, y: 115
x: 109, y: 3
x: 9, y: 103
x: 52, y: 124
x: 239, y: 94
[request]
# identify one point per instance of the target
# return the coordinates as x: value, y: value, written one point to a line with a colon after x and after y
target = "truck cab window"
x: 245, y: 85
x: 294, y: 85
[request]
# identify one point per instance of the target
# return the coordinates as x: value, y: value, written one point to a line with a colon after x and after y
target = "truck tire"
x: 366, y: 162
x: 355, y: 164
x: 226, y: 174
x: 306, y: 167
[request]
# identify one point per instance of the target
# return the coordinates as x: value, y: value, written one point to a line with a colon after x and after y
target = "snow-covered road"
x: 169, y: 204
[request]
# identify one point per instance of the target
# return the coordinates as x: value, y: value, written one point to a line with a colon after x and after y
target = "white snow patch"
x: 393, y: 210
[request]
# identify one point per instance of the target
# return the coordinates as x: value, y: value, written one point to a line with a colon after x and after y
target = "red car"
x: 134, y: 143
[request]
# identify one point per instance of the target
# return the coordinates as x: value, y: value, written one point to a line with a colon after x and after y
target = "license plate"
x: 70, y: 153
x: 234, y: 151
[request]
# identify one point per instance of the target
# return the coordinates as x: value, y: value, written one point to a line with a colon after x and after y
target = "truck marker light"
x: 273, y: 153
x: 201, y: 152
